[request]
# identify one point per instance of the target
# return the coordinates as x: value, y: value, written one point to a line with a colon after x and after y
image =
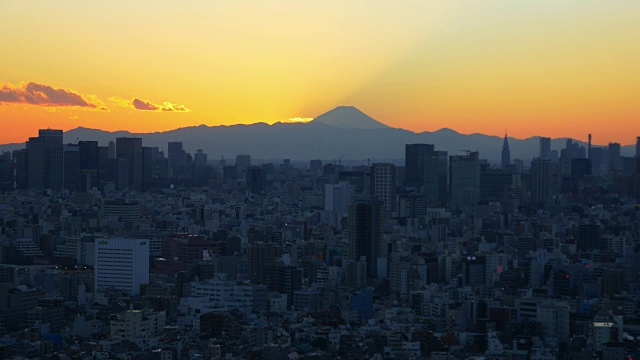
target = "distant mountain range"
x: 342, y: 133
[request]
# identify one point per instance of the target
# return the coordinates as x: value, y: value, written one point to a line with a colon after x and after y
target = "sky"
x: 531, y: 67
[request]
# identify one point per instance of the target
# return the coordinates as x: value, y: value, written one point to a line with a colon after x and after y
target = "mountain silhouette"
x: 349, y: 117
x: 344, y: 132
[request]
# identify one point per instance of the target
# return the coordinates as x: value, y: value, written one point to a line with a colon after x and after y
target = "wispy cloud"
x: 146, y: 105
x: 44, y: 95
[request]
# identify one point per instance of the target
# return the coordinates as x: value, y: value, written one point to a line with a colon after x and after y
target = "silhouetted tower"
x: 414, y: 156
x: 129, y: 151
x: 365, y: 232
x: 45, y: 160
x: 638, y: 146
x: 589, y: 148
x: 545, y: 148
x: 506, y: 153
x: 541, y: 179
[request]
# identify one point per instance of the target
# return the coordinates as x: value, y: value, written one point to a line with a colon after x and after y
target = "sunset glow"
x: 547, y: 67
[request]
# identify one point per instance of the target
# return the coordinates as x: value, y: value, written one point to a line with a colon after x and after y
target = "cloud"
x: 146, y: 105
x: 300, y: 119
x: 44, y: 95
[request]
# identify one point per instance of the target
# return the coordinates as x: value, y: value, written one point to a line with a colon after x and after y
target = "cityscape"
x: 118, y: 251
x: 320, y: 180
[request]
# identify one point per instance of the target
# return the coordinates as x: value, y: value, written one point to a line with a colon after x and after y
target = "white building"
x: 122, y: 264
x: 337, y: 198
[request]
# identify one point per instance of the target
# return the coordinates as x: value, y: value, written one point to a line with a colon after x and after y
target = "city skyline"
x: 556, y: 69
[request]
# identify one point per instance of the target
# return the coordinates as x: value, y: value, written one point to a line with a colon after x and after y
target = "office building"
x: 256, y: 180
x: 45, y: 160
x: 464, y: 177
x: 383, y: 185
x: 129, y: 150
x: 243, y: 162
x: 615, y: 159
x: 414, y: 158
x: 121, y: 264
x: 177, y: 160
x: 88, y: 162
x: 72, y: 181
x: 545, y: 148
x: 365, y: 232
x: 541, y: 178
x: 436, y: 178
x: 638, y: 146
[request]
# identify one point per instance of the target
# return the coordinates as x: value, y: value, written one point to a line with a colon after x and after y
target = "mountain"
x: 348, y: 117
x: 343, y: 133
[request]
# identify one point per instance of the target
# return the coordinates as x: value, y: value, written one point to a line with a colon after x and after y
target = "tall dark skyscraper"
x: 464, y: 177
x: 436, y: 178
x: 45, y: 160
x: 615, y: 159
x: 638, y: 146
x: 72, y: 168
x: 545, y: 148
x: 177, y: 159
x: 506, y: 153
x: 88, y: 162
x: 365, y: 232
x: 129, y: 150
x: 414, y: 157
x: 541, y: 178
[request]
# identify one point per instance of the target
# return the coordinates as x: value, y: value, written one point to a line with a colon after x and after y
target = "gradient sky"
x: 535, y: 67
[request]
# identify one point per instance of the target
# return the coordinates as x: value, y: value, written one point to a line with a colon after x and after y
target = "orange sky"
x: 546, y: 67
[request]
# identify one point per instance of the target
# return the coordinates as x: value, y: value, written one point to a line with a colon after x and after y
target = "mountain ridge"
x: 354, y: 138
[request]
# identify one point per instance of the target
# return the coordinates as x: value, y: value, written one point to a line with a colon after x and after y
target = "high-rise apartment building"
x: 122, y: 264
x: 337, y: 198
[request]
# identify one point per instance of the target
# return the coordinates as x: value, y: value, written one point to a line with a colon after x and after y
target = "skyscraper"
x: 177, y: 159
x: 545, y: 148
x: 615, y: 160
x: 541, y: 177
x: 638, y: 146
x: 365, y: 232
x: 506, y: 154
x: 464, y: 177
x: 436, y: 178
x: 88, y: 161
x: 337, y: 197
x: 414, y: 157
x: 45, y: 160
x: 243, y: 162
x: 383, y: 184
x: 129, y: 150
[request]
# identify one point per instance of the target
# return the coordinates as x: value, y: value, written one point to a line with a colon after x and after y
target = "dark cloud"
x: 43, y: 95
x: 143, y: 105
x: 146, y: 105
